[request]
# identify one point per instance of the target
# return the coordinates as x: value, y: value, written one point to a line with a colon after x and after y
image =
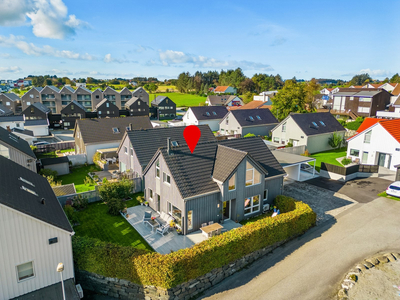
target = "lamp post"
x: 60, y: 269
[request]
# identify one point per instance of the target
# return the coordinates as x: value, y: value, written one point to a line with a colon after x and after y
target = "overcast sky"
x: 107, y: 39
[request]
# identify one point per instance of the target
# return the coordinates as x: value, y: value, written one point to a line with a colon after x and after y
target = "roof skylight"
x: 174, y: 143
x: 29, y: 190
x: 26, y: 181
x: 315, y: 124
x: 258, y: 117
x: 322, y: 123
x: 251, y: 118
x: 207, y: 113
x: 214, y: 113
x: 115, y: 130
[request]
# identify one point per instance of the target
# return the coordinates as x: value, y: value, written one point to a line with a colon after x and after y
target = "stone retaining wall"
x: 123, y: 289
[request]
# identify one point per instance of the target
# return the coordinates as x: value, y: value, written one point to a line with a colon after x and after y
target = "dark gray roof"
x: 146, y: 142
x: 220, y: 99
x: 209, y: 112
x: 85, y: 89
x: 37, y: 122
x: 125, y: 90
x: 100, y: 130
x: 104, y: 101
x: 11, y: 118
x: 248, y: 117
x: 131, y: 101
x: 76, y: 103
x: 192, y: 172
x: 54, y: 88
x: 109, y: 88
x: 306, y: 123
x: 38, y: 88
x: 23, y: 190
x: 158, y: 100
x: 25, y: 131
x: 69, y: 88
x: 16, y: 142
x: 63, y: 190
x: 226, y: 161
x: 4, y: 111
x: 12, y: 96
x: 41, y: 107
x: 54, y: 160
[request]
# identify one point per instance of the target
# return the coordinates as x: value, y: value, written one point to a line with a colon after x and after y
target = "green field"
x: 182, y: 99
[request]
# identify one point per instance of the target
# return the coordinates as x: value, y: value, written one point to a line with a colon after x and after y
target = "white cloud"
x: 31, y: 49
x: 376, y: 73
x: 170, y: 57
x: 109, y: 59
x: 49, y: 18
x: 14, y: 69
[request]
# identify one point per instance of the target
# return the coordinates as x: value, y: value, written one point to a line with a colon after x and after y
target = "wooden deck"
x: 171, y: 241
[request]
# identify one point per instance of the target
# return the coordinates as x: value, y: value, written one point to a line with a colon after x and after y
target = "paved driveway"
x: 362, y: 190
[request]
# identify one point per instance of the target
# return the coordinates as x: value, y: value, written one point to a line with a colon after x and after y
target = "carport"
x: 293, y: 165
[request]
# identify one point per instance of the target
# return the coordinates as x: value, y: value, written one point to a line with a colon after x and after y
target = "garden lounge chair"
x: 163, y: 229
x: 147, y: 216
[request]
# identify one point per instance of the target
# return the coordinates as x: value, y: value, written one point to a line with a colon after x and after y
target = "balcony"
x: 388, y: 114
x: 83, y: 97
x: 49, y: 103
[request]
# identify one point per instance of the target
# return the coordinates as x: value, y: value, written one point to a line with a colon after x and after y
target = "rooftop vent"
x: 42, y: 201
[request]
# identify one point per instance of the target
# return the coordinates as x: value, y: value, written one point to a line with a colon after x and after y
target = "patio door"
x: 226, y: 210
x: 381, y: 159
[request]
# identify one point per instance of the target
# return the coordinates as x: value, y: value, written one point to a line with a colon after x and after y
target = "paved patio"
x: 170, y: 241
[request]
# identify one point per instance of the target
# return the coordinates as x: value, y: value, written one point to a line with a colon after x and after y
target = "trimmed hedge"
x: 178, y: 267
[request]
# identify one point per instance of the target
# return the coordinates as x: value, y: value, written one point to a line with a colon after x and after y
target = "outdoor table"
x: 153, y: 224
x: 211, y: 229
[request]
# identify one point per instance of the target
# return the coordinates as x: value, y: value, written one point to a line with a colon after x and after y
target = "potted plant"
x: 179, y: 231
x: 146, y: 203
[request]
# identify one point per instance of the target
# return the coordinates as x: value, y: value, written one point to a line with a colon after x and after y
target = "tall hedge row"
x: 169, y: 270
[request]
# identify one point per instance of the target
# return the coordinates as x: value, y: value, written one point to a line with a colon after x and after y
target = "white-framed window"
x: 158, y: 169
x: 107, y: 104
x: 28, y: 103
x: 252, y: 175
x: 25, y: 271
x: 284, y: 127
x: 367, y: 137
x: 364, y: 157
x: 251, y: 204
x: 276, y: 140
x: 151, y: 194
x: 354, y: 152
x: 131, y: 151
x: 108, y: 112
x: 363, y: 109
x: 99, y: 112
x: 8, y: 103
x: 166, y: 178
x: 232, y: 182
x: 169, y: 208
x: 364, y: 99
x: 31, y: 96
x: 17, y: 124
x: 126, y: 150
x: 265, y: 195
x: 352, y: 98
x: 67, y: 123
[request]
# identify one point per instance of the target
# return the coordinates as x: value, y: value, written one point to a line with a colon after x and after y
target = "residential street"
x: 313, y: 265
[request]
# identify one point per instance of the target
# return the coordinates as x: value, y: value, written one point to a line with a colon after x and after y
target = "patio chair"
x: 147, y: 216
x: 204, y: 225
x: 211, y: 222
x: 163, y: 229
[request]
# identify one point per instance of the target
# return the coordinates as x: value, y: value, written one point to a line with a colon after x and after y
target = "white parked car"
x: 394, y: 189
x: 41, y: 143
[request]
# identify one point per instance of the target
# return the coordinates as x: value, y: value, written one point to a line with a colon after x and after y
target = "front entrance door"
x: 381, y: 159
x: 226, y: 210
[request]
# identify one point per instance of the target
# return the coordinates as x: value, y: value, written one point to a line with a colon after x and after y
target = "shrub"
x: 34, y: 148
x: 289, y: 145
x: 115, y: 206
x: 88, y: 180
x: 71, y: 214
x: 249, y: 135
x: 346, y: 161
x: 306, y: 153
x: 116, y: 190
x: 48, y: 172
x: 183, y: 265
x: 80, y: 202
x: 52, y: 181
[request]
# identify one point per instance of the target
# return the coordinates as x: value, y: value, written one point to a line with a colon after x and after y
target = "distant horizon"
x: 129, y: 39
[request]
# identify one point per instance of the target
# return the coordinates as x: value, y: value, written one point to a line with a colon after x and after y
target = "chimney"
x: 42, y: 201
x: 130, y: 126
x: 168, y: 145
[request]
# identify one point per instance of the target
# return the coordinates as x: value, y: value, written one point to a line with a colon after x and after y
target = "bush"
x: 346, y: 161
x: 114, y: 206
x: 181, y: 266
x: 79, y: 202
x: 306, y: 153
x: 71, y: 214
x: 88, y: 181
x: 116, y: 190
x: 288, y: 145
x: 48, y: 172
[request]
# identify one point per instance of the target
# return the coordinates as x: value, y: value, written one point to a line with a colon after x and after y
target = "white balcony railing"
x: 387, y: 114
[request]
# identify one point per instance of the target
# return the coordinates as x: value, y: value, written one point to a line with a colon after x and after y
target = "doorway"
x: 226, y: 210
x: 381, y: 159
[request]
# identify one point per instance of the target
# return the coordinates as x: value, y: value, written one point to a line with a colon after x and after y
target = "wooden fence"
x: 55, y: 146
x: 349, y: 170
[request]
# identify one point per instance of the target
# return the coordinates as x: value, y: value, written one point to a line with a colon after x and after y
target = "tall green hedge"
x: 172, y: 269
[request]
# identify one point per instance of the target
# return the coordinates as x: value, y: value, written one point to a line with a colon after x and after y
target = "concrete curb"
x: 351, y: 277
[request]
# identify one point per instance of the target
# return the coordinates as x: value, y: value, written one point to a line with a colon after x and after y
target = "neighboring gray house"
x: 58, y: 164
x: 30, y: 97
x: 163, y: 108
x: 11, y: 101
x: 113, y: 96
x: 230, y: 179
x: 142, y: 95
x: 310, y: 129
x: 50, y: 97
x: 244, y: 121
x: 4, y: 111
x: 138, y: 146
x: 86, y: 98
x: 17, y: 149
x: 67, y: 95
x: 107, y: 109
x: 137, y: 107
x: 205, y: 115
x: 125, y: 95
x: 93, y: 134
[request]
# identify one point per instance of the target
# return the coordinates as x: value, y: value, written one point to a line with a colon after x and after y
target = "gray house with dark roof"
x: 70, y: 113
x: 37, y: 237
x: 230, y: 179
x: 138, y: 146
x: 106, y: 133
x: 107, y: 109
x: 163, y: 108
x: 17, y: 149
x: 4, y: 111
x: 244, y: 121
x: 137, y: 107
x: 311, y: 129
x: 30, y: 97
x: 209, y: 115
x: 141, y: 94
x: 11, y: 101
x: 50, y: 97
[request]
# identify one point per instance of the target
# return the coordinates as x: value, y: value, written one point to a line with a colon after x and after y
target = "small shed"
x: 64, y: 190
x: 59, y: 164
x: 296, y: 166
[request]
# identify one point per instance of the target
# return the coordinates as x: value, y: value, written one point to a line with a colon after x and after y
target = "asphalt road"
x: 313, y: 265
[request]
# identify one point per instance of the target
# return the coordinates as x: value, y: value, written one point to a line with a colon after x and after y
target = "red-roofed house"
x: 377, y: 142
x: 225, y: 90
x: 389, y: 86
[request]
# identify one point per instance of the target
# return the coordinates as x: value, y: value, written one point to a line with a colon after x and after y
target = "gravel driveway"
x: 325, y: 203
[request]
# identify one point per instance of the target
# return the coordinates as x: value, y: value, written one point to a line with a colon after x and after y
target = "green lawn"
x: 328, y: 157
x: 182, y: 99
x: 67, y: 150
x: 383, y: 194
x: 77, y: 176
x: 95, y: 222
x: 46, y: 155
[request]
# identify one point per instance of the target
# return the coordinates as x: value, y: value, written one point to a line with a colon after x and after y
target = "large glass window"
x: 251, y: 204
x: 158, y: 169
x: 190, y: 219
x: 232, y: 182
x: 367, y: 137
x: 365, y: 157
x: 176, y: 213
x: 354, y: 152
x: 25, y: 271
x: 4, y: 151
x: 252, y: 175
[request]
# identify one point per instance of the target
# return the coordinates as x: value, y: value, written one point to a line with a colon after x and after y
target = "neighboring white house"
x: 10, y: 122
x: 80, y: 84
x: 388, y: 86
x: 205, y: 115
x: 376, y: 143
x: 38, y: 127
x: 265, y: 96
x: 329, y: 92
x: 35, y: 235
x: 310, y: 129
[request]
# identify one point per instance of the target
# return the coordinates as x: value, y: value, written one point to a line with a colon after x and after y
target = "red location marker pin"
x: 192, y: 135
